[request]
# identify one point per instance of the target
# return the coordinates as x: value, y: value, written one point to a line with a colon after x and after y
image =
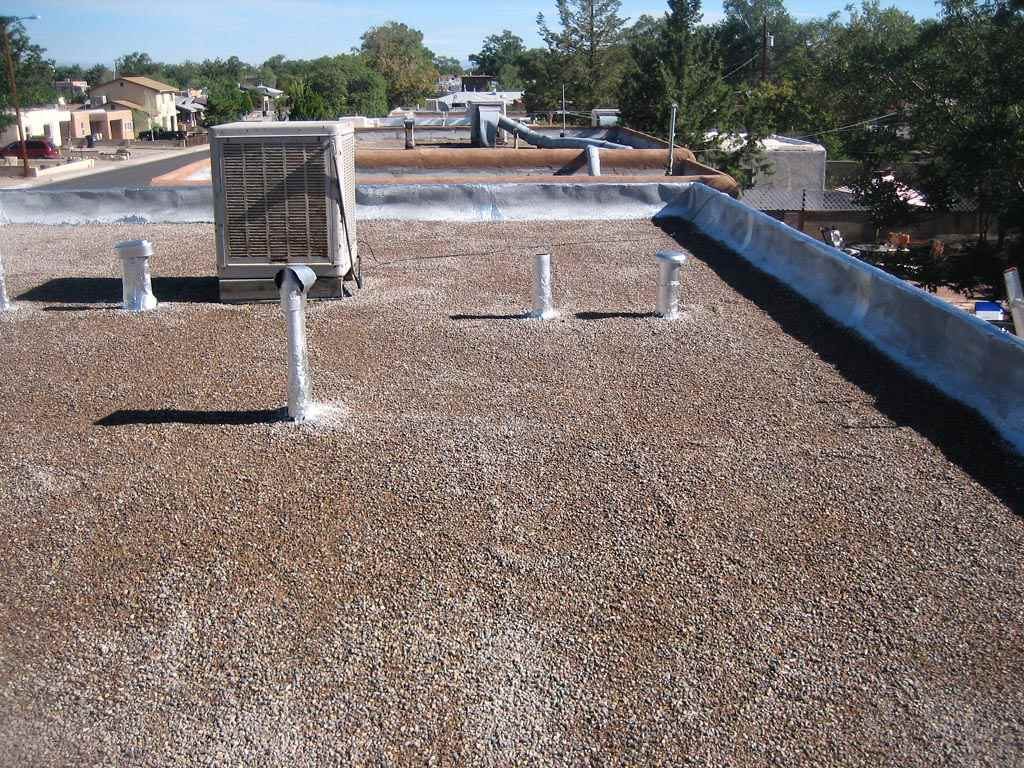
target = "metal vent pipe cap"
x: 134, y: 249
x: 672, y: 257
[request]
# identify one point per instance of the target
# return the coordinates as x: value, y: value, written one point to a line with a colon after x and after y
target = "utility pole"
x: 764, y: 48
x: 13, y: 95
x: 563, y: 110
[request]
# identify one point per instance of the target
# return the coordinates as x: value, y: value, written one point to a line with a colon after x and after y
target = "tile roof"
x: 145, y: 82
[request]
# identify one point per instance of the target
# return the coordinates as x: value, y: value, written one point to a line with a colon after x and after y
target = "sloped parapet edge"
x: 962, y: 356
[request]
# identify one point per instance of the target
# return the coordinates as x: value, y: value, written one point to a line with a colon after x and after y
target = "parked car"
x: 38, y: 149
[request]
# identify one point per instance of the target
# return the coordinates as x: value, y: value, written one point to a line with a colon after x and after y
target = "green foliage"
x: 398, y: 54
x: 333, y: 86
x: 588, y: 42
x: 540, y: 70
x: 304, y: 103
x: 448, y: 65
x: 226, y: 103
x: 34, y: 74
x: 501, y: 56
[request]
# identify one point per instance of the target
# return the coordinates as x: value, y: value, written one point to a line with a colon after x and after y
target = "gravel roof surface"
x: 742, y: 538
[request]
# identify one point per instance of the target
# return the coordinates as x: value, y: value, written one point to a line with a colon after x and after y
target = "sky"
x: 98, y: 31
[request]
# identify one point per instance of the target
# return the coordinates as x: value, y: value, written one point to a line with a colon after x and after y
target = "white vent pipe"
x: 293, y: 283
x: 543, y: 305
x: 1015, y: 298
x: 670, y: 264
x: 5, y: 303
x: 594, y: 160
x: 136, y: 283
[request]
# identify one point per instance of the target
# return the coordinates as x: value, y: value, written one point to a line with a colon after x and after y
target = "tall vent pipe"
x: 543, y: 304
x: 293, y: 283
x: 670, y: 264
x: 5, y: 303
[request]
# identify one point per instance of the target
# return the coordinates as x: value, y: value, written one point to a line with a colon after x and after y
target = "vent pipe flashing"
x: 670, y: 264
x: 136, y: 282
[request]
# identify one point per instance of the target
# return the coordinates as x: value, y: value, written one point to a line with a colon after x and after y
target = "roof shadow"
x: 94, y: 290
x: 176, y: 416
x: 957, y: 430
x: 613, y: 315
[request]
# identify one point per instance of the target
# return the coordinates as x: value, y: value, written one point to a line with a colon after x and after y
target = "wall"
x: 964, y: 357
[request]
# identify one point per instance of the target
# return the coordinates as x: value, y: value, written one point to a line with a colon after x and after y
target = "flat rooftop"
x: 740, y: 538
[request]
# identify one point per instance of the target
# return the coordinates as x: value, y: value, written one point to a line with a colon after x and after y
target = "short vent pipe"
x: 670, y: 265
x: 543, y: 304
x: 594, y: 160
x: 293, y: 284
x: 1015, y: 298
x: 136, y: 281
x: 5, y: 303
x: 410, y: 133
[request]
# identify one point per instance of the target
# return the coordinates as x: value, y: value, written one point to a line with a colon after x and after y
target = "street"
x: 132, y: 177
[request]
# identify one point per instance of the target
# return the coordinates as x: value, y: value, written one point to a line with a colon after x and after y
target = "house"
x: 141, y: 94
x: 479, y: 82
x: 71, y: 88
x: 111, y: 124
x: 39, y: 122
x: 190, y: 111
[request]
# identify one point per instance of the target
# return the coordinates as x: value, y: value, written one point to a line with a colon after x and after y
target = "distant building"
x: 112, y: 124
x: 40, y: 122
x: 463, y: 99
x: 71, y: 89
x: 479, y: 83
x: 449, y: 84
x: 142, y: 94
x: 190, y: 111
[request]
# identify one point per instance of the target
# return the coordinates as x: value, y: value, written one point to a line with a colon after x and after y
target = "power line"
x: 851, y: 125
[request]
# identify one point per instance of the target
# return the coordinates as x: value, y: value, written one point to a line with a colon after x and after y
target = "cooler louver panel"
x: 275, y: 201
x: 348, y: 189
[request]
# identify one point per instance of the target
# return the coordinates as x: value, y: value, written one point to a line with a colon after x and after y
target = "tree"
x: 397, y: 52
x: 137, y: 63
x: 448, y: 65
x: 33, y: 71
x: 304, y: 103
x: 966, y: 85
x: 589, y: 44
x: 498, y: 52
x: 226, y: 103
x: 98, y: 74
x: 341, y: 85
x: 540, y: 72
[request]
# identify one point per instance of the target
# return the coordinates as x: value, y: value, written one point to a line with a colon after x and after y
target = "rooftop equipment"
x: 284, y: 195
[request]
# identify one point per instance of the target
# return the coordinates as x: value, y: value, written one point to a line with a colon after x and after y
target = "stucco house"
x: 142, y: 94
x: 111, y: 124
x: 45, y: 122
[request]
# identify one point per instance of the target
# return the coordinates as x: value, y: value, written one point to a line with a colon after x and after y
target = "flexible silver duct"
x: 543, y: 304
x: 293, y: 286
x: 136, y: 282
x: 594, y: 160
x: 552, y: 142
x: 670, y: 264
x: 1015, y: 298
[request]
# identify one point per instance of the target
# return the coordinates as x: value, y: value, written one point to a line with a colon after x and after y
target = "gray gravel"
x: 741, y: 538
